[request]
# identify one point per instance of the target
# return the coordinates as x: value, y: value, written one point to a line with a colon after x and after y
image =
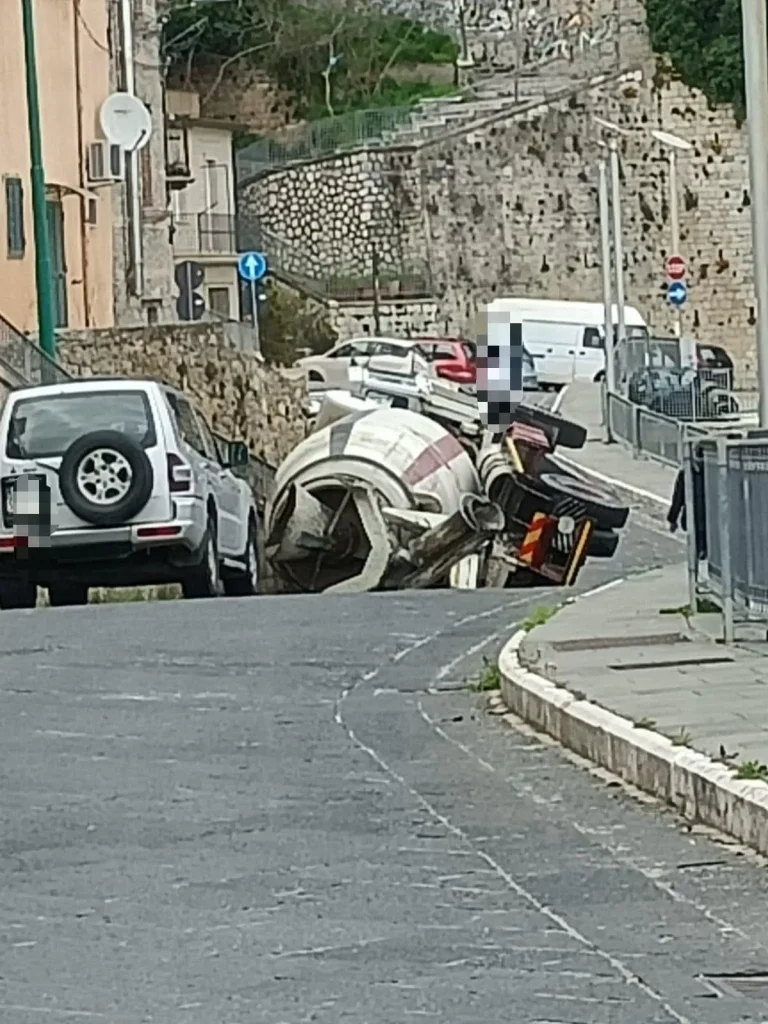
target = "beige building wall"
x: 73, y: 76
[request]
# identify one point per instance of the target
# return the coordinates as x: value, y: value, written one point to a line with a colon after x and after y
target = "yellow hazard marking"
x: 514, y: 454
x: 578, y: 552
x: 532, y: 537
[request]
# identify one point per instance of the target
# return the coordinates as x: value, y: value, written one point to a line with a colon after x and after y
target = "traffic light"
x: 190, y: 304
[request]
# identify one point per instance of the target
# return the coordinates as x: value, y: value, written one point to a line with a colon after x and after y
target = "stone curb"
x: 700, y: 789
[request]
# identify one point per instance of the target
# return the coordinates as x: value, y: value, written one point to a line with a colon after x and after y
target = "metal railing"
x: 204, y: 234
x: 24, y: 362
x: 659, y: 437
x: 411, y: 279
x: 317, y: 139
x: 726, y: 489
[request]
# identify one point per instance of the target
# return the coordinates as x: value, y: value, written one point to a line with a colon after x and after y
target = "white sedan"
x: 331, y: 369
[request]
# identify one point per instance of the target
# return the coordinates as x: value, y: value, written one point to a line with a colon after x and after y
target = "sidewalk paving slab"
x: 625, y: 681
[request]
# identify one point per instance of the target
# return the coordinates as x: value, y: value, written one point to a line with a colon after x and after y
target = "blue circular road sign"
x: 677, y: 293
x: 252, y: 266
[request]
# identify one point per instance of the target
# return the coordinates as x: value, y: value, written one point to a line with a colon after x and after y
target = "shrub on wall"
x: 290, y: 323
x: 703, y: 41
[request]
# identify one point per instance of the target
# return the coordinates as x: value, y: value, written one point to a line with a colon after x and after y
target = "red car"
x: 453, y: 358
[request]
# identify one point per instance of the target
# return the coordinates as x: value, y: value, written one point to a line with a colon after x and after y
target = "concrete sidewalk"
x: 621, y: 677
x: 611, y: 464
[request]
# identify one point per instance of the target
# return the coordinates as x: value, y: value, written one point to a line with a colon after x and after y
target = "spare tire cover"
x: 592, y: 500
x: 105, y: 478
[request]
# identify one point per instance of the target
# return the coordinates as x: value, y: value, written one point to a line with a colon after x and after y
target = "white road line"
x: 558, y: 920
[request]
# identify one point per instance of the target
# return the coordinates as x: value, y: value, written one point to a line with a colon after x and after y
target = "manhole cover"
x: 754, y: 986
x: 599, y: 643
x: 633, y: 666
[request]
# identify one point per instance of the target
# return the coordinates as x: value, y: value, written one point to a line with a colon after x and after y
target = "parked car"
x: 714, y: 358
x: 453, y: 358
x: 682, y: 394
x: 331, y: 369
x: 530, y: 377
x: 116, y: 482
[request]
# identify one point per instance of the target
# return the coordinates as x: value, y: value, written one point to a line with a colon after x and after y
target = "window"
x: 363, y: 348
x: 340, y: 353
x: 186, y: 421
x: 592, y: 338
x: 445, y: 351
x: 218, y: 301
x: 46, y: 427
x: 211, y: 447
x: 145, y: 168
x: 384, y: 348
x: 14, y: 214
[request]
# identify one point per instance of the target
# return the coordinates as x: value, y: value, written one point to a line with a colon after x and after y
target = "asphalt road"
x: 236, y: 812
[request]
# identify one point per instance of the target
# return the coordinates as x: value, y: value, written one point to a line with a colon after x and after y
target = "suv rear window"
x: 45, y: 426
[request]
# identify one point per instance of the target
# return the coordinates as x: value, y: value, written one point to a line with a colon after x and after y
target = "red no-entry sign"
x: 676, y: 268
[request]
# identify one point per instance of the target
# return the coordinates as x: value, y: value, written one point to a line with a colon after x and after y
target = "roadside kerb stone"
x: 698, y: 787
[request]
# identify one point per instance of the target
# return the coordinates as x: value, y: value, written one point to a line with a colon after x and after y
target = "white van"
x: 567, y: 339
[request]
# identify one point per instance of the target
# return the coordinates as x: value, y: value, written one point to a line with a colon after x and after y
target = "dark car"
x: 713, y: 362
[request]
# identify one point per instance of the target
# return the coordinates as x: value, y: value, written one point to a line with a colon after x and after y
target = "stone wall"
x: 242, y: 397
x: 242, y: 95
x: 512, y: 209
x: 329, y: 213
x: 400, y: 319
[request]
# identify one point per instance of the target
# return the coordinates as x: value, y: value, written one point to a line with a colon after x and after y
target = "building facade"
x: 73, y: 63
x: 201, y: 178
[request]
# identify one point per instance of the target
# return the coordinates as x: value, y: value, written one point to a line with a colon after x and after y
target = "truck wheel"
x: 586, y: 499
x: 17, y: 594
x: 60, y: 595
x: 603, y: 544
x: 568, y: 433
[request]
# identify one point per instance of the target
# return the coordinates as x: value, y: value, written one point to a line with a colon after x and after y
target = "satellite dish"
x: 125, y: 121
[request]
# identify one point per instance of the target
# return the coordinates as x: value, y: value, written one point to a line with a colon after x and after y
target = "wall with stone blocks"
x: 242, y: 397
x: 398, y: 319
x: 330, y: 212
x: 512, y: 209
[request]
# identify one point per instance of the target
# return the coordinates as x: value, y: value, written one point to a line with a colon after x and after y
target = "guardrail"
x: 659, y: 437
x: 318, y: 139
x: 21, y: 358
x: 726, y: 489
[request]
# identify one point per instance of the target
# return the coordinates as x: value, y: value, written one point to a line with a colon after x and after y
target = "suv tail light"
x: 179, y: 474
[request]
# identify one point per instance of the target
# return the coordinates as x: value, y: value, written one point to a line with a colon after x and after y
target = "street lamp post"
x: 620, y: 340
x: 674, y: 145
x: 46, y: 322
x: 756, y: 79
x: 605, y: 263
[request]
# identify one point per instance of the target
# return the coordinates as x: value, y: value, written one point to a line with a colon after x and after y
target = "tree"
x: 333, y: 56
x: 290, y: 323
x: 703, y: 40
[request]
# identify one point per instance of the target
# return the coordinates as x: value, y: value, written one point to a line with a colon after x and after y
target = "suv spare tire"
x: 105, y: 478
x: 591, y: 500
x: 567, y: 433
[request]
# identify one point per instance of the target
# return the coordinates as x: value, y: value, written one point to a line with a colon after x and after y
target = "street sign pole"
x: 605, y: 259
x: 252, y: 268
x: 46, y: 320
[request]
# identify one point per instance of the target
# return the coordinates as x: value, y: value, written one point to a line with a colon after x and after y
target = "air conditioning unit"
x: 106, y: 161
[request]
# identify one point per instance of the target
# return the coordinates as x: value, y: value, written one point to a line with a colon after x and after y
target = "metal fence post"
x: 723, y: 513
x: 692, y: 555
x: 636, y: 431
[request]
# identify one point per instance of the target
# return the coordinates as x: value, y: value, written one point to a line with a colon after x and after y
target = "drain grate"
x: 736, y: 986
x: 599, y: 643
x: 633, y: 666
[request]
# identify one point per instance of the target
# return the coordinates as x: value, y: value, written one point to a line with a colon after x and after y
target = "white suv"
x: 110, y: 482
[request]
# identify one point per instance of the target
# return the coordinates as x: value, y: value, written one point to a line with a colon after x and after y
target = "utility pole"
x: 376, y: 282
x: 605, y: 262
x: 46, y: 321
x: 756, y: 79
x: 618, y: 246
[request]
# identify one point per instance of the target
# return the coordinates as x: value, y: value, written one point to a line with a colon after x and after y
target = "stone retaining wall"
x: 242, y: 397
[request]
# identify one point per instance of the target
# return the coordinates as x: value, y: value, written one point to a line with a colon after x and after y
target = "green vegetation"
x: 754, y: 770
x: 333, y: 56
x: 290, y: 323
x: 540, y: 615
x: 489, y: 678
x: 703, y: 41
x: 645, y: 723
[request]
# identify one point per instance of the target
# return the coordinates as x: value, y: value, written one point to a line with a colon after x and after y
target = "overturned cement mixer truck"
x: 419, y: 495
